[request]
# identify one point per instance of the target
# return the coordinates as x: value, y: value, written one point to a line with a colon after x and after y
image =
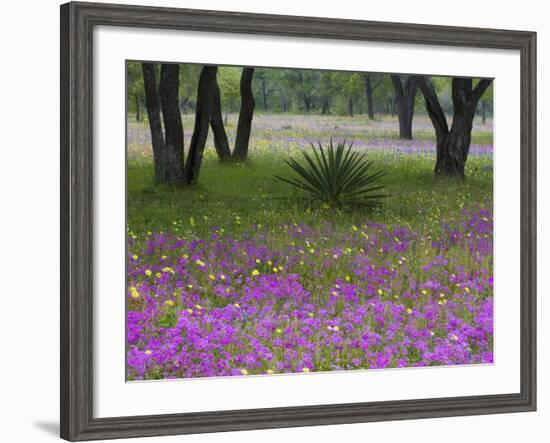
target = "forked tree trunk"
x: 203, y: 112
x: 453, y: 145
x: 217, y: 125
x: 405, y: 94
x: 167, y: 148
x: 369, y: 91
x: 244, y: 125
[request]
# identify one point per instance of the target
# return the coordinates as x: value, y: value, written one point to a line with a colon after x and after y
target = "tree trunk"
x: 350, y: 107
x: 483, y: 112
x: 307, y: 104
x: 244, y: 125
x: 171, y: 160
x: 216, y: 123
x: 168, y: 146
x: 264, y: 94
x: 203, y: 110
x: 138, y: 109
x: 453, y: 145
x: 183, y: 104
x: 152, y: 103
x: 326, y: 105
x: 404, y: 97
x: 452, y: 150
x: 369, y: 91
x: 283, y: 101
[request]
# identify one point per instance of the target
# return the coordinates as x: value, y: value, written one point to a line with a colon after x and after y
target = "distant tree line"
x: 165, y: 91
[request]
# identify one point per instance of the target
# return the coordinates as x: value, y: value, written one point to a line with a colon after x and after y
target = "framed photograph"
x: 272, y: 221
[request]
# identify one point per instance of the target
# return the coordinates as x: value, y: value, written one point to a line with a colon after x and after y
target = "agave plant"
x: 336, y: 175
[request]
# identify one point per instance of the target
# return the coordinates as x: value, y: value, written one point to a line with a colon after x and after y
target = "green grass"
x: 235, y: 196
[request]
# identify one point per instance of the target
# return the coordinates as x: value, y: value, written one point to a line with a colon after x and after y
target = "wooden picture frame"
x: 77, y: 23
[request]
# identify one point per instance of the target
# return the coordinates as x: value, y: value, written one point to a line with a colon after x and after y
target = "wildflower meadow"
x: 241, y: 275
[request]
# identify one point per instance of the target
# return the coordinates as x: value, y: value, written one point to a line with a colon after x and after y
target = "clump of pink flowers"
x: 304, y: 299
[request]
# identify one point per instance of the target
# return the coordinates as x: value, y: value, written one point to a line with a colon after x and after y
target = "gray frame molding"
x: 77, y: 24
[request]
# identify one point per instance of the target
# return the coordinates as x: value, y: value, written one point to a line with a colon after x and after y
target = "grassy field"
x: 242, y: 275
x: 249, y: 192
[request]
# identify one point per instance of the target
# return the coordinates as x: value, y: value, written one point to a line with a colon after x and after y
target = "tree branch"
x: 437, y: 116
x: 397, y: 86
x: 480, y: 88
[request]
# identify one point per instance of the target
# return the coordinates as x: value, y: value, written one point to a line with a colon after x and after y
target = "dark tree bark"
x: 203, y: 111
x: 171, y: 160
x: 217, y: 125
x: 307, y: 104
x: 405, y: 94
x: 453, y: 144
x: 183, y: 104
x: 308, y: 100
x: 350, y: 107
x: 244, y: 125
x: 152, y: 103
x: 283, y: 101
x: 265, y: 94
x: 167, y: 155
x: 326, y: 106
x: 483, y: 112
x: 138, y: 108
x: 369, y: 91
